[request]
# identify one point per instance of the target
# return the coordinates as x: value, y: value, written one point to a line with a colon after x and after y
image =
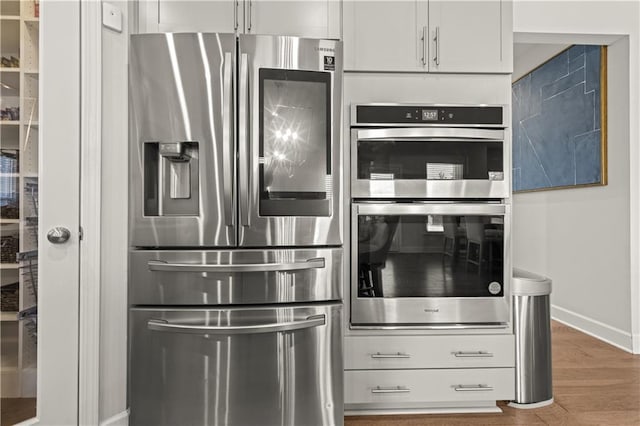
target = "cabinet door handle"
x: 250, y: 10
x: 472, y: 354
x: 473, y: 388
x: 436, y: 57
x: 394, y: 389
x: 235, y: 15
x: 424, y: 45
x: 378, y: 355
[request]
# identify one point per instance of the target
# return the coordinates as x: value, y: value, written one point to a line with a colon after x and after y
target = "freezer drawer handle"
x: 395, y: 389
x: 472, y: 354
x: 158, y: 265
x: 163, y: 325
x: 472, y: 388
x: 386, y: 356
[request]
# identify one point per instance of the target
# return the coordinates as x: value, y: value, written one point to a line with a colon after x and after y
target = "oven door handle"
x: 432, y: 134
x: 161, y: 266
x: 166, y: 326
x: 408, y: 209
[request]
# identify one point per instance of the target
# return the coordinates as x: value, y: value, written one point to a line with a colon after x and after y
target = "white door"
x: 57, y: 125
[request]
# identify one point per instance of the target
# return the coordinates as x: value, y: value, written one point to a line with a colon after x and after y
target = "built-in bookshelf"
x: 19, y: 77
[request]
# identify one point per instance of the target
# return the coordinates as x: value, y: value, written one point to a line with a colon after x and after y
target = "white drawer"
x: 393, y: 352
x: 395, y: 387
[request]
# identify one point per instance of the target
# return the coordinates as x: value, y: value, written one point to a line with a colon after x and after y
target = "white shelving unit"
x: 20, y: 30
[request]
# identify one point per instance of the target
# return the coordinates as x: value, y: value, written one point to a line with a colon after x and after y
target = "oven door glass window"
x: 430, y: 256
x: 430, y: 160
x: 295, y: 143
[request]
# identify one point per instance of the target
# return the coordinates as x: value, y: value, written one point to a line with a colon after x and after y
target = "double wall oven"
x: 430, y: 217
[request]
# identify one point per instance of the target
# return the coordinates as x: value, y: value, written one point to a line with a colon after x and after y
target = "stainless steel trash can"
x: 532, y: 326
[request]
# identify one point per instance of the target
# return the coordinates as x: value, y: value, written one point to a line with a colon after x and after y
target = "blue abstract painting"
x: 557, y: 122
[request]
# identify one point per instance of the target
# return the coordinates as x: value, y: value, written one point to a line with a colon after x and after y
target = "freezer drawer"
x: 240, y: 366
x: 223, y: 277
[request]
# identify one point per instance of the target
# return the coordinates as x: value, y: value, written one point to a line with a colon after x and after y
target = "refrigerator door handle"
x: 166, y: 326
x: 243, y: 120
x: 161, y: 266
x: 227, y: 143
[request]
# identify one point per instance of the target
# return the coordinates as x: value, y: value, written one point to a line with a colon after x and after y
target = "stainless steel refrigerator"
x: 235, y: 285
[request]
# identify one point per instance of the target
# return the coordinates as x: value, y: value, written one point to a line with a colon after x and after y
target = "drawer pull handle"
x: 378, y: 355
x: 476, y: 354
x: 395, y: 389
x: 472, y: 388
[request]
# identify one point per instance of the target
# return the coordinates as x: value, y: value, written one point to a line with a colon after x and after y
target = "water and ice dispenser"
x: 171, y: 179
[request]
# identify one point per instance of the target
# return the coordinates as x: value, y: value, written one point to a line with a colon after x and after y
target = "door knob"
x: 58, y: 235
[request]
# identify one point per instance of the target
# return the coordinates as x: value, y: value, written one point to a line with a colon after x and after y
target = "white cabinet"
x: 428, y: 35
x: 310, y: 18
x: 388, y: 389
x: 392, y: 372
x: 222, y: 16
x: 384, y: 35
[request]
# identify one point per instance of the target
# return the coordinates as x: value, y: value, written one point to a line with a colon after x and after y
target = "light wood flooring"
x: 593, y: 383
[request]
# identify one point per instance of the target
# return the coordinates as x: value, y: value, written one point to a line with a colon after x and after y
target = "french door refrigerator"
x: 235, y: 288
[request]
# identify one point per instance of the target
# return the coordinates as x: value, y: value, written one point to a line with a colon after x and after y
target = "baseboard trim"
x: 120, y: 419
x: 636, y: 344
x: 611, y: 335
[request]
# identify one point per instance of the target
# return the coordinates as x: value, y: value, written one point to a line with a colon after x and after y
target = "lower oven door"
x: 430, y: 265
x: 238, y: 366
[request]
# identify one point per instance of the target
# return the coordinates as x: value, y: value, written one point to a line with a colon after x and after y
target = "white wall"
x: 587, y: 239
x: 528, y: 56
x: 113, y: 297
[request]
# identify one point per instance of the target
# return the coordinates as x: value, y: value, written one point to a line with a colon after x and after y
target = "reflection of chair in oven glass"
x: 454, y: 236
x: 480, y: 240
x: 374, y: 242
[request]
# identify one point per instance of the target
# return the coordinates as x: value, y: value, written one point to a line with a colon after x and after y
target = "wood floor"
x: 16, y: 410
x: 593, y: 383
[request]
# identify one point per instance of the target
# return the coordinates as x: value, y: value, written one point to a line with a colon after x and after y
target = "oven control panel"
x: 380, y: 115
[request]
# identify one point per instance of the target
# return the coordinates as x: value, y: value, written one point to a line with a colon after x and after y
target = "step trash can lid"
x: 527, y: 283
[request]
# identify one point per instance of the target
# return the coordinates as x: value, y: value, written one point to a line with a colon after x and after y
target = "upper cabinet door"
x: 220, y: 16
x: 470, y: 36
x: 308, y: 18
x: 385, y: 35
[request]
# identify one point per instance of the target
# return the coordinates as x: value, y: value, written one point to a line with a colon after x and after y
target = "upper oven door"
x: 439, y: 162
x: 423, y: 264
x: 289, y: 138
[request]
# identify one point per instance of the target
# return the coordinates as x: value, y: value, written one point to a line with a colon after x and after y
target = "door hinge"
x: 80, y: 233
